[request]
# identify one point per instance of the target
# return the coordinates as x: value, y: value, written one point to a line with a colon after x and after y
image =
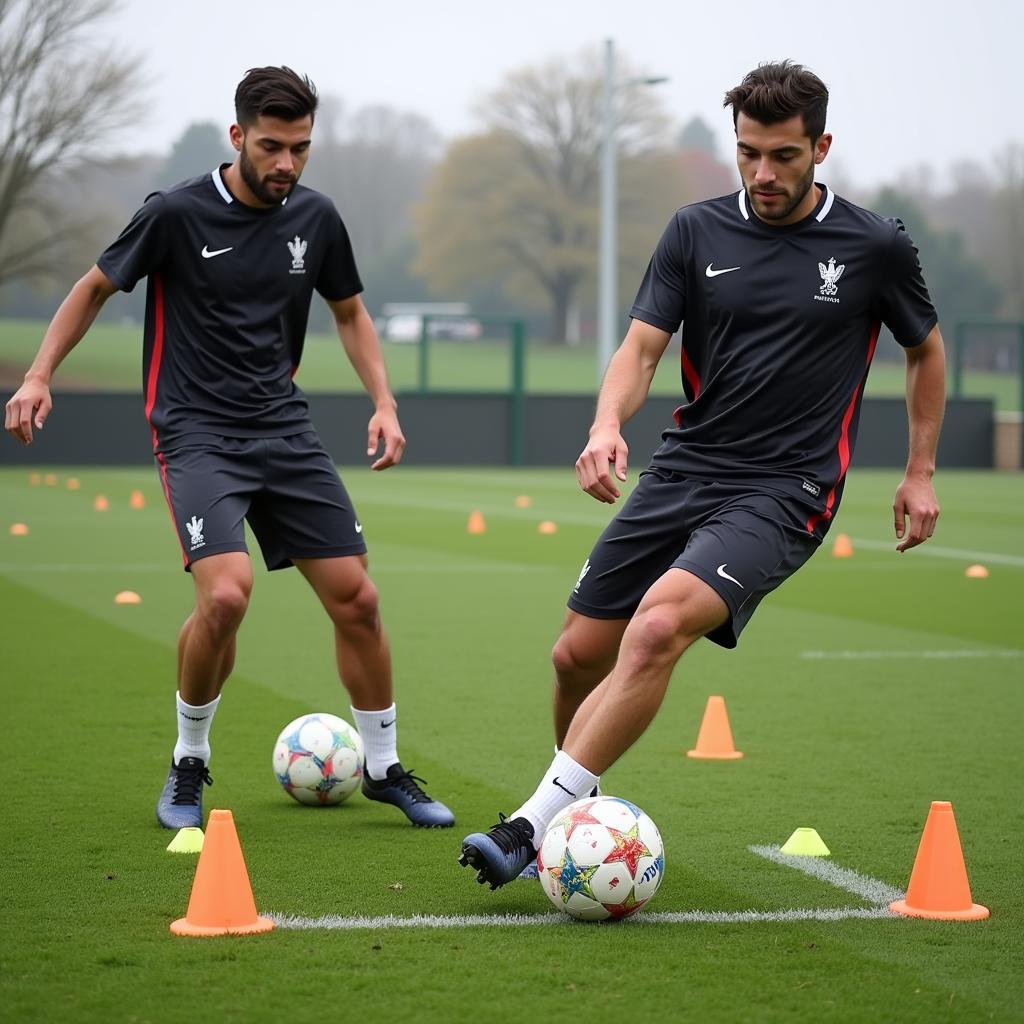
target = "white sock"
x: 596, y: 791
x: 379, y: 734
x: 194, y: 729
x: 566, y: 782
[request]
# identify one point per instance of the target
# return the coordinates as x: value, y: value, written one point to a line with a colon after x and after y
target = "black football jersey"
x: 779, y: 325
x: 229, y: 290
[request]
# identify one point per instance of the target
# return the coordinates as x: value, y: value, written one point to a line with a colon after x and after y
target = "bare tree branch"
x: 60, y: 98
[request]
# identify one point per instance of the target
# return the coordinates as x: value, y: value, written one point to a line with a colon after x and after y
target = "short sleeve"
x: 140, y: 249
x: 905, y: 306
x: 661, y: 300
x: 338, y: 278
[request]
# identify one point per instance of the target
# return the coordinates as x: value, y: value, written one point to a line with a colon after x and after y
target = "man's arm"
x: 31, y: 403
x: 926, y: 401
x: 623, y: 390
x: 359, y: 338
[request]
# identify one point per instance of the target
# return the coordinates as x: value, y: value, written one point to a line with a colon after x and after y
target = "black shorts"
x: 285, y: 487
x: 740, y: 541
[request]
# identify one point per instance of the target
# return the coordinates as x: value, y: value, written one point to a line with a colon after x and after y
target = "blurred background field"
x: 110, y: 359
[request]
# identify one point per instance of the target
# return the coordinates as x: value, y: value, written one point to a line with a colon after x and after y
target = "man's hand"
x: 604, y: 450
x: 29, y: 407
x: 384, y: 427
x: 915, y: 498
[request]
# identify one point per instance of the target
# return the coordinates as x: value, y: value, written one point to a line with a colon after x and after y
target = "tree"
x: 518, y: 202
x: 59, y: 99
x: 202, y: 147
x: 374, y: 164
x: 959, y: 285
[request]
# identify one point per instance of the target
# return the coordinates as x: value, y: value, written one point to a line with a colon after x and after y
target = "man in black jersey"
x: 781, y: 289
x: 232, y: 259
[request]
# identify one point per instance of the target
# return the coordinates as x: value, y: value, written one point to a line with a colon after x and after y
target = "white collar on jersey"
x: 819, y: 216
x: 218, y: 182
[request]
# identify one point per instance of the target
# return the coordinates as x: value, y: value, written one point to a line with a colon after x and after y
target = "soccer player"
x: 232, y: 258
x: 780, y: 289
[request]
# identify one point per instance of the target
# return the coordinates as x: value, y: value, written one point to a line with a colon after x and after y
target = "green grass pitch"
x: 863, y: 690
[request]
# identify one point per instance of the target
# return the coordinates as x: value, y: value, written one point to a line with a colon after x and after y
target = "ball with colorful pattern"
x: 318, y: 759
x: 601, y: 858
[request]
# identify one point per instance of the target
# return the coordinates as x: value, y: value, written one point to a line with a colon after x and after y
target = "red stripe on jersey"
x: 844, y: 436
x: 691, y: 378
x: 157, y: 354
x: 167, y: 496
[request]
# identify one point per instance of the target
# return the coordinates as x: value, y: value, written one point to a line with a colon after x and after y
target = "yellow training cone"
x: 127, y: 597
x: 18, y: 530
x: 976, y: 572
x: 805, y: 842
x: 843, y: 547
x: 188, y: 840
x: 547, y: 527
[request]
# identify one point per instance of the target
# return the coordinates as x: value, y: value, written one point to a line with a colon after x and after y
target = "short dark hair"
x: 776, y: 92
x: 274, y: 92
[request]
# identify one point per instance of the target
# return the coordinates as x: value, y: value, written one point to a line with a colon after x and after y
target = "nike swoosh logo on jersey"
x: 209, y: 254
x: 725, y: 576
x: 714, y: 273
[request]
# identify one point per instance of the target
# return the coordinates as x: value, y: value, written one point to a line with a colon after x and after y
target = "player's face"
x: 776, y: 163
x: 272, y: 154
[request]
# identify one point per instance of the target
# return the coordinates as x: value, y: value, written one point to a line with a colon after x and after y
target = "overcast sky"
x: 911, y: 82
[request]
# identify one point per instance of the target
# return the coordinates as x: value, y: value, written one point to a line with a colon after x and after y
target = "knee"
x: 573, y: 660
x: 358, y: 609
x: 565, y: 657
x: 657, y: 636
x: 223, y: 606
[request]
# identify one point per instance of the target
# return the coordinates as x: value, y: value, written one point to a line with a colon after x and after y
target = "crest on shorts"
x: 195, y: 531
x: 297, y: 247
x: 583, y: 572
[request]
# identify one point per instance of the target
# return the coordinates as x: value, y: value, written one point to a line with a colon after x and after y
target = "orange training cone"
x: 547, y: 526
x: 843, y: 547
x: 100, y: 503
x: 714, y: 741
x: 476, y: 523
x: 221, y: 901
x: 137, y: 500
x: 938, y: 884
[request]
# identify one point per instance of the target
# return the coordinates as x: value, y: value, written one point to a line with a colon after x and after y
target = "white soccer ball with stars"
x: 318, y: 759
x: 602, y: 857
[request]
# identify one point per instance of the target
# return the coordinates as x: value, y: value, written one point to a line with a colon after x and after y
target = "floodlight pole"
x: 607, y: 284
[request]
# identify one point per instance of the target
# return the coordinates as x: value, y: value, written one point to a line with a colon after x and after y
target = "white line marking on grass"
x: 869, y: 889
x: 937, y: 551
x: 954, y: 655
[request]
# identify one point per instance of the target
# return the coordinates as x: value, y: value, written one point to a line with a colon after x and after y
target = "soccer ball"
x: 318, y: 759
x: 601, y: 857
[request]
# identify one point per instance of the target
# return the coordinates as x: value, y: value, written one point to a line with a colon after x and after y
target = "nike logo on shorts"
x: 208, y: 254
x: 725, y: 576
x: 714, y: 273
